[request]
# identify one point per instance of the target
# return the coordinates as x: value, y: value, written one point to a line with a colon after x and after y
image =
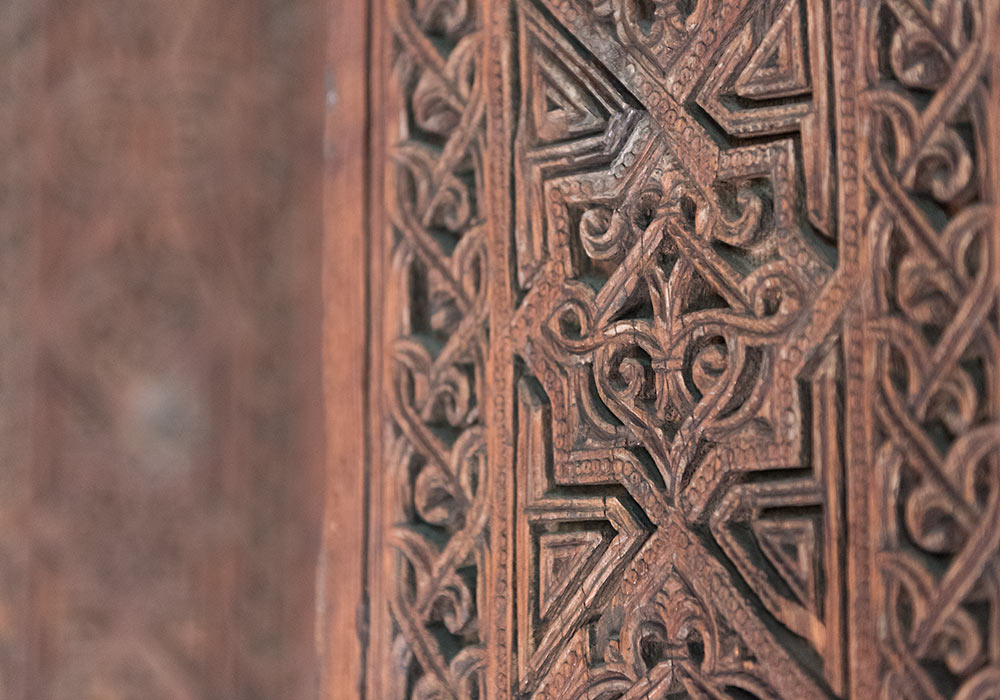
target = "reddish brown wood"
x: 684, y: 342
x: 161, y: 419
x: 341, y: 599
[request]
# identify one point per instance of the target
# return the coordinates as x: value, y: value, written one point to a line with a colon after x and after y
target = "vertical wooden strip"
x: 993, y: 112
x: 847, y: 69
x: 341, y: 569
x: 499, y: 49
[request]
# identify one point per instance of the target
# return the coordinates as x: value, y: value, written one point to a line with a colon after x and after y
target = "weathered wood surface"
x: 683, y: 350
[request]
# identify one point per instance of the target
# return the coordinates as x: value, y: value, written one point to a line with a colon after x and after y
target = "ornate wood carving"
x: 684, y: 350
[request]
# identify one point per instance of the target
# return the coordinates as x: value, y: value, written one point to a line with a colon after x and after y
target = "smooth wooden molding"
x: 340, y: 574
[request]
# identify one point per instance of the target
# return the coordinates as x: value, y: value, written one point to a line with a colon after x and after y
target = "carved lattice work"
x: 686, y: 381
x: 932, y: 342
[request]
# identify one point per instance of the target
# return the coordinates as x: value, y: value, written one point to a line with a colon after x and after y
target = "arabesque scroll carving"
x: 686, y: 378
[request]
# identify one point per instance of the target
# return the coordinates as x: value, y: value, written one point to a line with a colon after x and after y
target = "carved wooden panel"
x: 684, y: 348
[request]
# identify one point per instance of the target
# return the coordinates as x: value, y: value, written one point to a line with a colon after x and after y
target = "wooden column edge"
x: 340, y: 572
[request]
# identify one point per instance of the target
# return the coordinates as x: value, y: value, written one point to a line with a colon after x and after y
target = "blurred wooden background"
x: 160, y: 402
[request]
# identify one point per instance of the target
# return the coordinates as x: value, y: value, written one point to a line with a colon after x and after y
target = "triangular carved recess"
x: 573, y: 115
x: 562, y: 107
x: 778, y: 67
x: 567, y: 97
x: 790, y: 546
x: 561, y: 556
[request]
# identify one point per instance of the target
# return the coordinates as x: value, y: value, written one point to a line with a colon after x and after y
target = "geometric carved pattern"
x: 660, y: 319
x: 931, y: 226
x: 435, y: 487
x: 777, y: 67
x: 686, y: 375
